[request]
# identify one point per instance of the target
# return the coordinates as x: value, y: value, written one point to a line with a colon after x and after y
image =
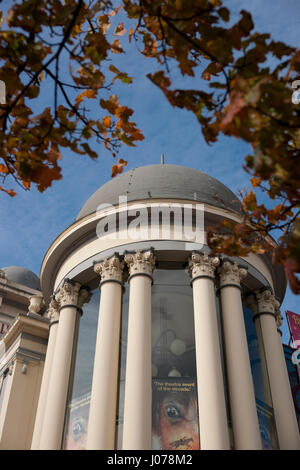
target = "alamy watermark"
x: 140, y: 221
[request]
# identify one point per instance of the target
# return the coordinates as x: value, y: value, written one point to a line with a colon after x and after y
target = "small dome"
x: 163, y: 182
x: 22, y: 276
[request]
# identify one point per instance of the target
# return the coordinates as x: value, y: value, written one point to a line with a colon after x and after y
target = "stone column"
x: 284, y: 410
x: 240, y: 383
x: 103, y: 408
x: 53, y: 316
x: 70, y: 298
x: 137, y: 428
x: 213, y: 425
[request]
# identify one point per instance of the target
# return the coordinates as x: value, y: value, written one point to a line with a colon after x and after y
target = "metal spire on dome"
x: 162, y: 159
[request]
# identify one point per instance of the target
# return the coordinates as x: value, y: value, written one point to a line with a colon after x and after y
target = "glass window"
x: 123, y: 352
x: 264, y: 404
x: 174, y: 385
x: 174, y: 398
x: 78, y: 403
x: 223, y: 364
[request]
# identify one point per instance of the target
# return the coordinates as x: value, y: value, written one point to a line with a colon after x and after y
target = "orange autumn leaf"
x: 255, y: 181
x: 4, y: 169
x: 118, y: 168
x: 85, y: 94
x: 10, y: 192
x: 106, y: 121
x: 44, y: 176
x: 130, y: 33
x: 26, y: 184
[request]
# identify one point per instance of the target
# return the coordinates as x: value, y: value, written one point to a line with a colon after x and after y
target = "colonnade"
x: 64, y: 313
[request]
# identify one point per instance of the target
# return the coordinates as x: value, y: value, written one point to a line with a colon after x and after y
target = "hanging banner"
x: 294, y: 378
x: 294, y: 325
x: 174, y: 414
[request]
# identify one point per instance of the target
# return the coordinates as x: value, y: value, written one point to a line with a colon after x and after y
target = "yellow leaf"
x: 26, y: 184
x: 85, y: 94
x: 255, y: 181
x: 77, y: 28
x: 106, y: 121
x: 130, y: 33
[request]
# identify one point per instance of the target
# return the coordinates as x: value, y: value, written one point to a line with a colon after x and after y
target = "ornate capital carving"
x: 53, y: 310
x: 201, y: 264
x: 110, y: 269
x: 231, y: 274
x: 72, y: 293
x: 68, y: 293
x: 266, y: 302
x: 140, y: 263
x: 36, y: 304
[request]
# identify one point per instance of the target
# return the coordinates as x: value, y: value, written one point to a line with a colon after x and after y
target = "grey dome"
x: 22, y: 276
x: 163, y: 182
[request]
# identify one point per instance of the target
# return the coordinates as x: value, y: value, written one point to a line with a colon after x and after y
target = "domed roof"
x: 163, y: 182
x: 22, y: 276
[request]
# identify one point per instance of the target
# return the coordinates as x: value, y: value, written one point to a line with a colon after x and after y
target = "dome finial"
x: 162, y: 159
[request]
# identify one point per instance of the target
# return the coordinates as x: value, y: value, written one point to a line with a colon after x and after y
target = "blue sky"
x: 31, y: 221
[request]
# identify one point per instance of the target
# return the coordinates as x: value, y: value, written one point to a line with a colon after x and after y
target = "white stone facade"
x: 78, y: 263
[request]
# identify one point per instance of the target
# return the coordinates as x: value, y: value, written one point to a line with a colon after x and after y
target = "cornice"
x: 34, y: 325
x: 83, y: 231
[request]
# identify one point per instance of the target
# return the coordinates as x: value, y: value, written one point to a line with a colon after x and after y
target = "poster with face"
x: 77, y: 422
x: 174, y: 414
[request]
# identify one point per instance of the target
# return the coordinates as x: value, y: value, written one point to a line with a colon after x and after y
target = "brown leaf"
x: 118, y: 168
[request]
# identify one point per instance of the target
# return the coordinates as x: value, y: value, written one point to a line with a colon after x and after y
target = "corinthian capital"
x: 53, y: 310
x: 140, y: 263
x: 231, y: 273
x: 266, y: 302
x: 68, y: 293
x: 110, y: 269
x: 201, y: 264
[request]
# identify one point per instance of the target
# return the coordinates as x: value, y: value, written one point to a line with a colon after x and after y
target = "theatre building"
x: 135, y: 337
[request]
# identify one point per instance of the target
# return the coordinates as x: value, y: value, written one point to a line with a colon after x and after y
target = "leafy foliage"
x: 42, y: 40
x: 242, y: 89
x: 247, y: 95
